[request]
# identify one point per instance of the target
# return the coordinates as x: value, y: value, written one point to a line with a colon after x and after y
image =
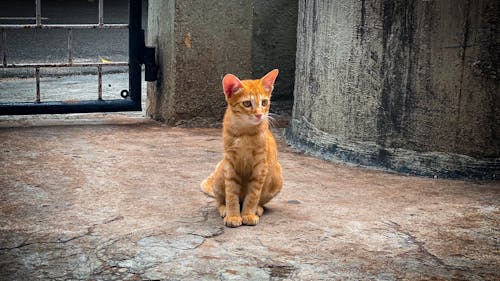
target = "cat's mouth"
x: 251, y: 120
x: 258, y: 118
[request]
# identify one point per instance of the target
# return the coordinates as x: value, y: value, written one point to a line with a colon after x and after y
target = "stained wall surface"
x: 198, y: 42
x: 411, y: 85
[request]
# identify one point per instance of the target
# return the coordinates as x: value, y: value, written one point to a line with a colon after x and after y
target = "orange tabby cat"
x: 249, y: 173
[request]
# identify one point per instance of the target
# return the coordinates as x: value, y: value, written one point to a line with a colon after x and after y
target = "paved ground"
x: 116, y: 197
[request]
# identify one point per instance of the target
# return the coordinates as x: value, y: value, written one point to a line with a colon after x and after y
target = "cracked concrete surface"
x: 116, y: 197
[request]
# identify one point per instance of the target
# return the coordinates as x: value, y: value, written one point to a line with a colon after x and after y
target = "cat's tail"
x: 206, y: 186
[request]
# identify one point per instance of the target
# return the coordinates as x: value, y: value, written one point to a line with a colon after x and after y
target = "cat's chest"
x: 246, y: 146
x: 245, y: 150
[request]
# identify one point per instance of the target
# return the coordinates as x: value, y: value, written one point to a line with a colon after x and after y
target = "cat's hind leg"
x: 272, y: 186
x: 214, y: 187
x: 219, y: 188
x: 260, y: 210
x: 222, y: 210
x: 207, y: 185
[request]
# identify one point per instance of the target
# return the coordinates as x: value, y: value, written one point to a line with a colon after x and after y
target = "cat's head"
x: 249, y: 100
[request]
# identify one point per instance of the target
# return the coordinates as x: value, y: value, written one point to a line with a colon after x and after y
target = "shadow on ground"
x: 114, y: 197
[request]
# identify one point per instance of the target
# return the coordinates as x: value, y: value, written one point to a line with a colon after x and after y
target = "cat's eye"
x: 265, y: 102
x: 247, y: 103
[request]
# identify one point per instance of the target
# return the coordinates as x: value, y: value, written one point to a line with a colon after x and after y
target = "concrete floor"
x: 116, y: 197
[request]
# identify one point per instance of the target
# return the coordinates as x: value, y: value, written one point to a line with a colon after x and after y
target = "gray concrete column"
x: 197, y: 43
x: 411, y: 86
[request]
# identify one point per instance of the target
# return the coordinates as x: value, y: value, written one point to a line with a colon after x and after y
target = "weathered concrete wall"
x: 408, y: 85
x: 274, y: 42
x: 197, y: 43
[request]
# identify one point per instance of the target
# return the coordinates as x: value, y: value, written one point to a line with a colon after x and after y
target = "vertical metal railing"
x: 70, y: 46
x: 38, y: 13
x: 37, y: 78
x: 4, y: 48
x: 131, y: 98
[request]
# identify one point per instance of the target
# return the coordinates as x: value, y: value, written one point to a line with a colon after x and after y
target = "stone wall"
x: 411, y: 86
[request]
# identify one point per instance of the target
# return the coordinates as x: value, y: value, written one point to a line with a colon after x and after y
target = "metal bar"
x: 101, y: 17
x: 65, y: 26
x: 70, y: 46
x: 78, y: 64
x: 60, y: 107
x: 38, y: 13
x: 99, y: 82
x: 4, y: 48
x: 37, y: 76
x: 135, y: 50
x: 21, y: 18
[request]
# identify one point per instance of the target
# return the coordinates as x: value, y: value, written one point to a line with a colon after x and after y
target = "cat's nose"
x: 258, y: 116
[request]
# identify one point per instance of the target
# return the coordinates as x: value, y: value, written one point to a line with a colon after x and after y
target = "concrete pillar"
x: 197, y: 43
x: 411, y: 86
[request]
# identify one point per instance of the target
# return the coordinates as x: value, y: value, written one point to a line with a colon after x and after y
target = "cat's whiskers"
x: 273, y: 123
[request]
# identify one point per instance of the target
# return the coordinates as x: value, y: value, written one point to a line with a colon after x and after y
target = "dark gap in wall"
x: 274, y: 43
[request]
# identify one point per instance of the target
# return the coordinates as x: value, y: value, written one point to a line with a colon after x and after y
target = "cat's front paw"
x: 232, y: 221
x: 250, y: 219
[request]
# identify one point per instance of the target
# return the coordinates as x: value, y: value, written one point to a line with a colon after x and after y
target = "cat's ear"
x: 231, y: 85
x: 268, y: 80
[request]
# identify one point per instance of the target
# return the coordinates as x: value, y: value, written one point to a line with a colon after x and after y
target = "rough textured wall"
x: 160, y: 35
x: 197, y: 43
x: 408, y: 85
x: 200, y: 41
x: 274, y: 42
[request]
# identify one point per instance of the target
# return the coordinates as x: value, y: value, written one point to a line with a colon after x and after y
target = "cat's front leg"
x: 232, y: 184
x: 250, y: 212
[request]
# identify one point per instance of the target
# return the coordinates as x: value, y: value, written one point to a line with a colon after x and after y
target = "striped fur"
x: 249, y: 175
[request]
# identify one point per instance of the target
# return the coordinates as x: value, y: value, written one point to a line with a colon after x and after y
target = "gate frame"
x: 138, y: 55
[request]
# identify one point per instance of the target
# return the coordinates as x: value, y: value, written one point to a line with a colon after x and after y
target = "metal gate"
x: 138, y: 54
